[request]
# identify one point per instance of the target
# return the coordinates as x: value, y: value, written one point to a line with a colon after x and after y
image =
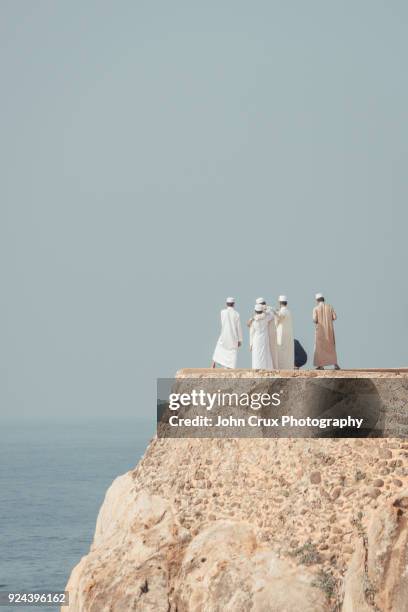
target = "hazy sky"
x: 156, y: 157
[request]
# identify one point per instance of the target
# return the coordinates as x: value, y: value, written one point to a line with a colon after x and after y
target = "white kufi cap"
x: 282, y: 298
x: 230, y: 300
x: 260, y: 301
x: 318, y: 296
x: 259, y: 308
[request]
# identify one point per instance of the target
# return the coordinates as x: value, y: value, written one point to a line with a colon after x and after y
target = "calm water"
x: 53, y: 478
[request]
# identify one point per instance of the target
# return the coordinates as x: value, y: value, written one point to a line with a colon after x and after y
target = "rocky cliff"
x: 280, y: 525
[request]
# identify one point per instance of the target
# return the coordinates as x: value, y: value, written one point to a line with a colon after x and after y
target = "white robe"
x: 273, y: 346
x: 285, y: 339
x: 226, y: 350
x: 259, y: 341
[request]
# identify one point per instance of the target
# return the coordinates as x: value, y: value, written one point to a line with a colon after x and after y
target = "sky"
x: 156, y: 157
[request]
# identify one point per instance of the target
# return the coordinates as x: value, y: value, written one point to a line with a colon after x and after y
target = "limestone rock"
x: 315, y: 477
x: 377, y: 578
x: 127, y: 567
x: 225, y: 568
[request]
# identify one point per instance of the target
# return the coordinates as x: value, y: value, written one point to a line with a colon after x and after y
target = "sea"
x: 53, y: 478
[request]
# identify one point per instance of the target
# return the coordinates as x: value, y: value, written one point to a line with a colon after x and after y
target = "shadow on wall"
x: 330, y: 398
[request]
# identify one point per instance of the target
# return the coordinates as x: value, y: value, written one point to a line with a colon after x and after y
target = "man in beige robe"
x: 325, y: 343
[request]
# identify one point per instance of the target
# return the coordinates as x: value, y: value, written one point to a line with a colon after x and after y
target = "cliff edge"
x: 232, y: 525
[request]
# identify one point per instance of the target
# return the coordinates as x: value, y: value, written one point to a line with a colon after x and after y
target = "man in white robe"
x: 259, y: 339
x: 271, y: 330
x: 284, y: 336
x: 226, y: 350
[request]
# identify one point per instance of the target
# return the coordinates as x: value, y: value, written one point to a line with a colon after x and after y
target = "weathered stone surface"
x: 127, y: 567
x: 378, y: 578
x: 226, y: 568
x: 315, y: 477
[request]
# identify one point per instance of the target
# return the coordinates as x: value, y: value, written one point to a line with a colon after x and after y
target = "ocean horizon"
x: 53, y: 478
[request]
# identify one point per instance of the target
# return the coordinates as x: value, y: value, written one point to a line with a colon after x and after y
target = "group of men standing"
x: 271, y: 338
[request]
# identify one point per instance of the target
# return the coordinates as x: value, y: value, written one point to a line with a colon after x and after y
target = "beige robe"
x: 325, y: 343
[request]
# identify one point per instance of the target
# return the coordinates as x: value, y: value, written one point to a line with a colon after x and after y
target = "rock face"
x: 206, y: 525
x: 377, y: 578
